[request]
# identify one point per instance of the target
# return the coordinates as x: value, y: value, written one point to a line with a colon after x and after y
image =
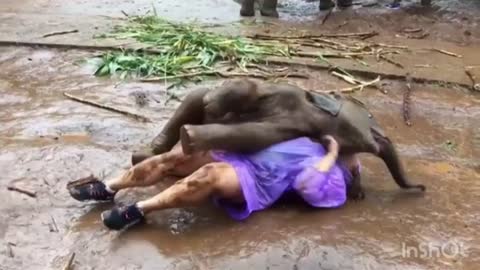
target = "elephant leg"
x: 344, y: 3
x: 244, y: 137
x: 190, y: 111
x: 269, y: 8
x: 355, y: 190
x: 426, y: 3
x: 387, y: 152
x: 354, y: 187
x: 248, y: 8
x: 326, y: 4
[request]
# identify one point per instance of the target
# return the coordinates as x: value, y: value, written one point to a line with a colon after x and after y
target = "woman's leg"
x: 214, y: 179
x: 145, y: 173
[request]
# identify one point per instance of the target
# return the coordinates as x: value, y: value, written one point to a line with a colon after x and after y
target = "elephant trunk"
x: 389, y: 155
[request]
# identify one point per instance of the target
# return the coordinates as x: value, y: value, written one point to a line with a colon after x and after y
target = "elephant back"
x: 355, y: 122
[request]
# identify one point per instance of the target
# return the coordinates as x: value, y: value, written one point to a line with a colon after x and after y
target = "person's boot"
x: 248, y: 8
x: 90, y: 189
x: 344, y: 3
x: 269, y: 8
x: 326, y: 4
x: 122, y: 217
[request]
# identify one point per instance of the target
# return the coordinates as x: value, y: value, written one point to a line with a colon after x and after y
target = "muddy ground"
x: 47, y: 140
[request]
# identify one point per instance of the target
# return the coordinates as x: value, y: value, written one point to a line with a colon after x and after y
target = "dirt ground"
x: 47, y: 140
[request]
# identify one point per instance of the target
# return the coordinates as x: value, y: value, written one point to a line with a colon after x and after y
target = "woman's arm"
x: 326, y: 163
x: 320, y: 168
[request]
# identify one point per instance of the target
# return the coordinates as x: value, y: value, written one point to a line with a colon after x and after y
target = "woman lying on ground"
x: 240, y: 183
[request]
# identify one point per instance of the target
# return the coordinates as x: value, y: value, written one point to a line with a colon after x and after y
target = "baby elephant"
x: 243, y: 116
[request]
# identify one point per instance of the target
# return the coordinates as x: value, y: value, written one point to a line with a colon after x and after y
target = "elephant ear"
x: 325, y: 102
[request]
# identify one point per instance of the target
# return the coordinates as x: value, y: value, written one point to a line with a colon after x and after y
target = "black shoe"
x: 122, y: 217
x: 90, y: 188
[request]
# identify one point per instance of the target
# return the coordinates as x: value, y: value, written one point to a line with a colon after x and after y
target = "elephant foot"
x: 247, y: 9
x: 186, y: 135
x: 159, y: 144
x: 141, y: 155
x: 344, y: 3
x: 356, y: 193
x: 326, y: 4
x: 269, y: 8
x: 269, y: 12
x: 426, y: 3
x: 355, y: 190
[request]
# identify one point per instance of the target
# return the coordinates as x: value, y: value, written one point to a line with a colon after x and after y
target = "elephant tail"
x: 389, y: 155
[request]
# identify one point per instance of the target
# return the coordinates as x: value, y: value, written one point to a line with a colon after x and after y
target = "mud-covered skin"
x: 269, y: 114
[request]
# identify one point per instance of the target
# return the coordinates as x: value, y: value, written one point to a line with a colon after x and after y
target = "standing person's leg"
x: 214, y: 179
x: 145, y: 173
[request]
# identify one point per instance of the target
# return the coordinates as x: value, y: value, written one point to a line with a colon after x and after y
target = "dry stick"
x: 475, y: 85
x: 54, y: 224
x: 421, y: 36
x: 224, y: 74
x: 10, y: 250
x: 412, y: 30
x: 361, y: 34
x: 346, y: 78
x: 68, y: 265
x: 21, y: 190
x: 360, y: 72
x: 390, y: 61
x: 98, y: 105
x: 423, y: 66
x: 390, y: 46
x: 407, y: 100
x: 125, y: 13
x: 447, y: 52
x: 60, y: 33
x: 356, y: 88
x: 331, y: 55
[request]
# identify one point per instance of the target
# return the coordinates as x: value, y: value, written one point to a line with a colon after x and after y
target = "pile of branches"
x: 179, y: 51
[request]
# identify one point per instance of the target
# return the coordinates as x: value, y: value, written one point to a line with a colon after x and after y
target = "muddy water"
x: 48, y: 140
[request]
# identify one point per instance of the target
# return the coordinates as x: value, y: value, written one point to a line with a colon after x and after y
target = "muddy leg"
x: 214, y: 179
x: 389, y: 155
x: 190, y: 111
x: 269, y: 8
x: 248, y: 8
x: 244, y: 137
x: 148, y: 172
x: 154, y: 169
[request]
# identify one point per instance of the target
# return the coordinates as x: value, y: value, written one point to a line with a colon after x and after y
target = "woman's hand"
x: 326, y: 163
x: 331, y: 143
